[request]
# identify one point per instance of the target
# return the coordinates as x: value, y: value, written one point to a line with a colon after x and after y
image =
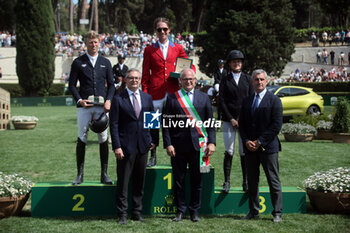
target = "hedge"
x: 323, y: 86
x: 56, y: 89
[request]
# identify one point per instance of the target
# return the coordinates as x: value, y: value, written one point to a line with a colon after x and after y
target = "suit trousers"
x: 271, y: 168
x: 179, y: 166
x: 131, y: 165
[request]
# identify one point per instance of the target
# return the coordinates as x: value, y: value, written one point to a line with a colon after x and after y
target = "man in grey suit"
x: 260, y: 122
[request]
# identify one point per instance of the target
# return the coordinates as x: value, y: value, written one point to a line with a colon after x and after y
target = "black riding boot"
x: 227, y: 172
x: 104, y: 163
x: 244, y: 173
x: 80, y: 154
x: 153, y: 159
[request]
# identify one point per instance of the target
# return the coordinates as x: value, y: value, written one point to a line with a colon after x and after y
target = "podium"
x: 54, y: 199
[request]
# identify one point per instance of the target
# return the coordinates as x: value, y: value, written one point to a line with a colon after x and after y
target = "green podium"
x: 53, y: 199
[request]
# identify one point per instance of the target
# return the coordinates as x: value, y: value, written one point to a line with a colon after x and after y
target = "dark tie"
x: 136, y: 105
x: 256, y: 103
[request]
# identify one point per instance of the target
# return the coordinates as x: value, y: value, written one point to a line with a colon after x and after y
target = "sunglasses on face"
x: 162, y: 29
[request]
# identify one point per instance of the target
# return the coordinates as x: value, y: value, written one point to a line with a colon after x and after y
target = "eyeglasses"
x: 187, y: 79
x: 162, y: 29
x: 133, y: 78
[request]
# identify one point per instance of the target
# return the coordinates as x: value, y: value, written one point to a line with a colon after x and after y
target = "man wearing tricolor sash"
x: 189, y: 139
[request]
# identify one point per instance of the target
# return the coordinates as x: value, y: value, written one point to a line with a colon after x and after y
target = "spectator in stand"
x: 347, y: 38
x: 342, y: 37
x: 332, y: 54
x: 325, y: 56
x: 330, y: 38
x: 324, y: 38
x: 318, y: 56
x: 342, y: 58
x: 313, y: 39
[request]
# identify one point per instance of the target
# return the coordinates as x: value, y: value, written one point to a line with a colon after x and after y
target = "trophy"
x: 181, y: 63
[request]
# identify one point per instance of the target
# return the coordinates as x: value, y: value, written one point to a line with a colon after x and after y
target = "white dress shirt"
x: 92, y: 59
x: 236, y: 77
x: 164, y: 47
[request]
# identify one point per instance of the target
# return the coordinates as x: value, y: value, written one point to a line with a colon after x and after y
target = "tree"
x: 82, y: 7
x: 94, y: 15
x: 261, y: 29
x: 337, y: 9
x: 71, y: 16
x: 7, y: 15
x: 35, y: 60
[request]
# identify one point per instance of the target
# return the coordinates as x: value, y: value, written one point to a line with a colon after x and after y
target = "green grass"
x: 47, y: 153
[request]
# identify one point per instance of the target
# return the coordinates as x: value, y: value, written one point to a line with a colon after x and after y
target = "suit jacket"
x: 92, y: 79
x: 218, y: 76
x: 117, y: 71
x: 231, y: 95
x: 186, y: 139
x: 264, y: 125
x: 126, y: 129
x: 156, y: 70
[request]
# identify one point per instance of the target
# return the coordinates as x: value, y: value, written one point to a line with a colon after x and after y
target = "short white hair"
x: 259, y: 71
x: 187, y: 69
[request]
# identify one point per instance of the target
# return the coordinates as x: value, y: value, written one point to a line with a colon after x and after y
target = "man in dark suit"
x: 93, y: 72
x: 219, y: 72
x: 259, y: 124
x: 182, y: 143
x: 130, y: 142
x: 119, y: 70
x: 234, y: 87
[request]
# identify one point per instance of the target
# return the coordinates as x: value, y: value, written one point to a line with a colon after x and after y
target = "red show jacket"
x: 156, y: 70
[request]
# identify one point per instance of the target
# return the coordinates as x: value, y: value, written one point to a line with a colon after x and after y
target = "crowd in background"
x: 7, y: 39
x: 113, y: 44
x: 325, y: 57
x: 332, y: 38
x: 117, y: 43
x: 338, y: 74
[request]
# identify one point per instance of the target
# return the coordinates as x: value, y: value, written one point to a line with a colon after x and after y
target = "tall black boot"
x: 80, y: 154
x: 244, y: 173
x: 153, y: 159
x: 104, y: 163
x: 227, y: 172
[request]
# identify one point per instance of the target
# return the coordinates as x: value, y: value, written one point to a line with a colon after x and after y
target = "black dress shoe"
x: 277, y: 218
x: 250, y: 216
x: 179, y: 217
x: 226, y: 187
x: 152, y: 161
x: 195, y: 217
x: 137, y: 217
x: 122, y: 220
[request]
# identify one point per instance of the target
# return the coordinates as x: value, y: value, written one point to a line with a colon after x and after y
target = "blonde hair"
x: 91, y: 35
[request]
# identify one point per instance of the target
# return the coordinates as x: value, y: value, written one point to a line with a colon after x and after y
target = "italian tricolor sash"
x: 192, y: 114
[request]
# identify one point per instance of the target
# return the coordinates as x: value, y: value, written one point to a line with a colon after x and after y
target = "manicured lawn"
x: 47, y: 153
